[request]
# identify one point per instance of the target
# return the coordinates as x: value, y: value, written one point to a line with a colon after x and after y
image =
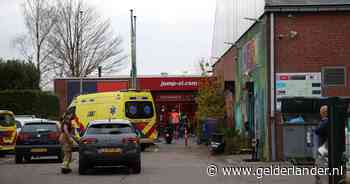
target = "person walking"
x: 322, y: 130
x: 67, y: 138
x: 175, y: 120
x: 162, y: 122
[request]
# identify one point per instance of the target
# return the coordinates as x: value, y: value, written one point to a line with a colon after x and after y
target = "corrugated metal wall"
x: 230, y: 22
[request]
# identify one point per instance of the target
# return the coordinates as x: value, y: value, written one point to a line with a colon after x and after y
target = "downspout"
x: 272, y: 86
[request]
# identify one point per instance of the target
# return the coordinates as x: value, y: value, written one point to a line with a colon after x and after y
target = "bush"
x: 38, y: 103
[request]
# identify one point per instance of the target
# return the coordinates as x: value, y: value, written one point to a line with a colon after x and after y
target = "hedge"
x: 30, y: 102
x: 18, y: 75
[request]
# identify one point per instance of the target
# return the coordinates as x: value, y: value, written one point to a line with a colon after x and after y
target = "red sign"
x: 175, y: 98
x: 164, y: 84
x: 284, y: 77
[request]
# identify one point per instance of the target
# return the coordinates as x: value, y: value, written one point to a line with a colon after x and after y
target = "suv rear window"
x: 40, y: 127
x: 7, y: 120
x: 139, y: 109
x: 109, y: 129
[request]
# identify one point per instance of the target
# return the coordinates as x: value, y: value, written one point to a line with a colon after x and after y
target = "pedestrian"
x: 175, y: 120
x: 183, y: 124
x: 162, y: 122
x: 322, y: 130
x: 67, y: 138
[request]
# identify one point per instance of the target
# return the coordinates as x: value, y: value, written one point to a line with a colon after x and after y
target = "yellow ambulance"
x: 8, y: 132
x: 136, y: 106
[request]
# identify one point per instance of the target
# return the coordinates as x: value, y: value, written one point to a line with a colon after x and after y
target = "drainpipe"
x: 272, y: 85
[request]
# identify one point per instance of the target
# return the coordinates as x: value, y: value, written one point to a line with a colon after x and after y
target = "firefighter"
x: 67, y: 138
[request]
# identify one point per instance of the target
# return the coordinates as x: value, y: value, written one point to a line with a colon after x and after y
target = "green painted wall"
x: 252, y: 59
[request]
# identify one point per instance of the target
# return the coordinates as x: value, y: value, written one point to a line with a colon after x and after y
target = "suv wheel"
x: 143, y: 147
x: 136, y: 166
x: 18, y: 159
x: 60, y: 157
x: 27, y: 158
x: 83, y: 165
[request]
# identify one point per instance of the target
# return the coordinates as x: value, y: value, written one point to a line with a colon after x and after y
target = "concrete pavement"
x: 173, y: 164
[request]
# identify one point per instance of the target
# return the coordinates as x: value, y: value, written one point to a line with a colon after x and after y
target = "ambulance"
x: 136, y: 106
x: 8, y: 132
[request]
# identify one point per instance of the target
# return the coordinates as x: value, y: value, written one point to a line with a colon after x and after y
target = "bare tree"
x: 82, y: 41
x: 204, y: 66
x: 23, y: 45
x: 39, y: 18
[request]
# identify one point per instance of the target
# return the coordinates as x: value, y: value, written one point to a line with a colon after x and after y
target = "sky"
x: 172, y: 35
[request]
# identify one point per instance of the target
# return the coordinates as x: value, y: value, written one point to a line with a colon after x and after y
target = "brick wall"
x: 323, y: 39
x: 226, y: 65
x: 60, y: 88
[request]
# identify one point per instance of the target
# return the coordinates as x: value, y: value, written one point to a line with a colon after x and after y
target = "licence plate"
x: 7, y: 140
x: 38, y: 150
x: 110, y: 150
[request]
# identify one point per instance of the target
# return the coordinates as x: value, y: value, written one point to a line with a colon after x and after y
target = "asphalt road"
x: 173, y: 164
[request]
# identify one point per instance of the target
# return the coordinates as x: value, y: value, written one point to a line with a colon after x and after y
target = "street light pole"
x: 133, y: 73
x: 79, y: 36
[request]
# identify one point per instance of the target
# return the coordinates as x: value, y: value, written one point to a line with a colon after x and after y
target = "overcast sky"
x: 172, y: 35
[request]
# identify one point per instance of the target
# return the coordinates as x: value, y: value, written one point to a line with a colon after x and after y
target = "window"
x: 109, y: 128
x: 334, y: 76
x: 91, y: 113
x: 139, y: 109
x: 7, y: 120
x: 40, y: 127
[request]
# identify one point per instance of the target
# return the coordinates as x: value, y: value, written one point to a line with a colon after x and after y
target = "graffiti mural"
x: 252, y: 68
x: 249, y: 56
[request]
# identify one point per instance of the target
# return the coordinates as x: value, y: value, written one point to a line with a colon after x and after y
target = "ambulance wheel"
x: 136, y: 167
x: 60, y: 158
x: 143, y: 147
x: 18, y: 159
x: 27, y: 158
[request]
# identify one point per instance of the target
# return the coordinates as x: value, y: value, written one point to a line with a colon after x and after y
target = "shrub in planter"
x: 233, y: 141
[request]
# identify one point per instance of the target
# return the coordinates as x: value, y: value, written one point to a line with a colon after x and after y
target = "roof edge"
x: 223, y: 55
x: 306, y: 8
x: 126, y: 78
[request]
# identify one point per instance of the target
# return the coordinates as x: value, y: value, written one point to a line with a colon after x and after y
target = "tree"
x: 67, y: 38
x: 210, y: 99
x: 82, y: 41
x: 204, y: 67
x: 39, y: 18
x: 16, y: 74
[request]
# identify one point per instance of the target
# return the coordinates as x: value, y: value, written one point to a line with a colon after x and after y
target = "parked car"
x: 38, y: 138
x: 109, y: 143
x: 23, y: 119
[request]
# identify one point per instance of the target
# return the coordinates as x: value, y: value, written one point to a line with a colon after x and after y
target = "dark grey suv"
x: 109, y: 143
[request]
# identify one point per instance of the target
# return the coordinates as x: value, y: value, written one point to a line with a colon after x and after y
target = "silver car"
x: 109, y: 143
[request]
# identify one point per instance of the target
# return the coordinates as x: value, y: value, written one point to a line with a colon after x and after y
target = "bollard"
x: 186, y: 137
